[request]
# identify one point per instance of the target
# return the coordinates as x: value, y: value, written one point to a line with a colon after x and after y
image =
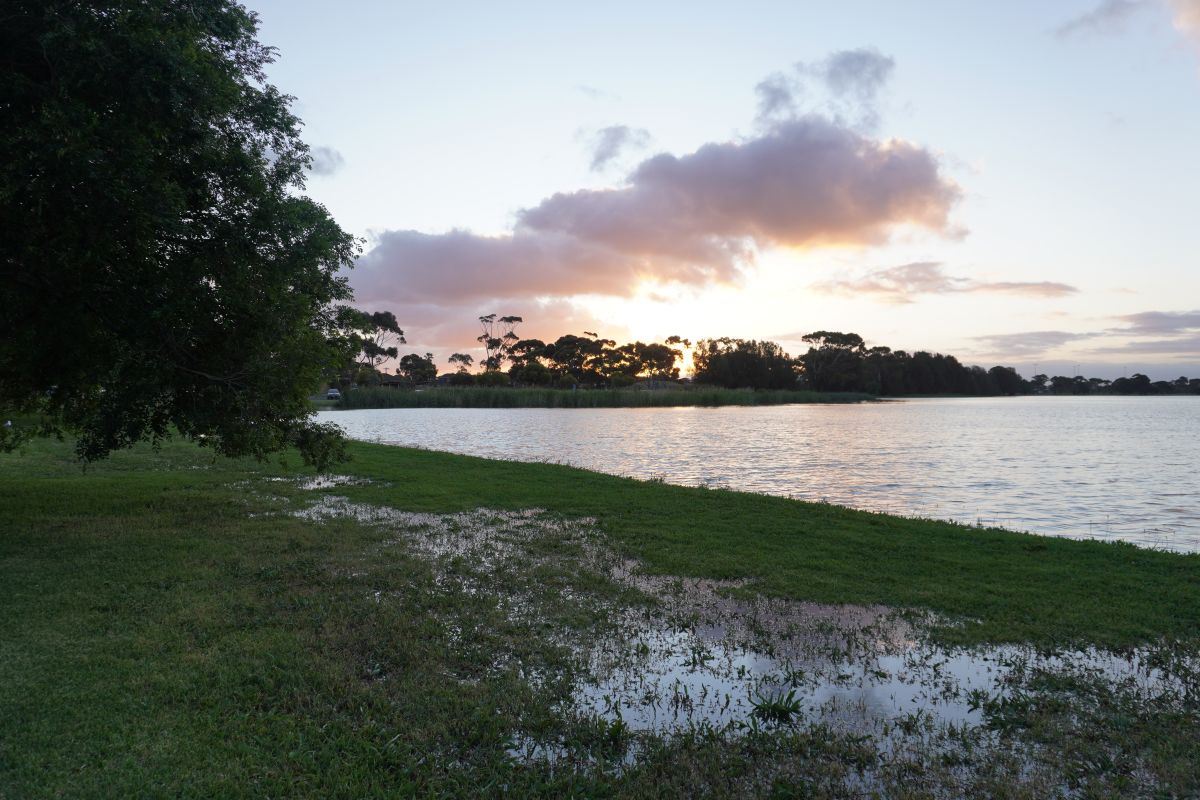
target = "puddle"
x: 704, y: 658
x: 316, y: 482
x: 707, y: 655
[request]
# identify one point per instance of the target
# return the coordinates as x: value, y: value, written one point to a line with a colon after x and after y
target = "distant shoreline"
x: 489, y: 397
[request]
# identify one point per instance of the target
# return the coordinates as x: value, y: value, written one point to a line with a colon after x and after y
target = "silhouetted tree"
x: 743, y: 363
x: 417, y: 369
x: 497, y: 338
x: 834, y: 361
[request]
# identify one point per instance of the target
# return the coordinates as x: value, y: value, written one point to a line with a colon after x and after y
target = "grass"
x: 167, y: 631
x: 1009, y: 586
x: 491, y: 397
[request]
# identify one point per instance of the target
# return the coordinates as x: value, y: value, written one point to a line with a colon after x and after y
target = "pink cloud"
x: 697, y: 219
x: 904, y: 283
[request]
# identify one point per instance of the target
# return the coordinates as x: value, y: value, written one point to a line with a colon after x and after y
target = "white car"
x: 333, y: 394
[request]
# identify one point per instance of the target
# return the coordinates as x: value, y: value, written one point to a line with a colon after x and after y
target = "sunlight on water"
x: 1104, y: 467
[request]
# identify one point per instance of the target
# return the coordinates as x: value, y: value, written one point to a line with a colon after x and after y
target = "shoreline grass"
x: 170, y: 627
x: 503, y: 397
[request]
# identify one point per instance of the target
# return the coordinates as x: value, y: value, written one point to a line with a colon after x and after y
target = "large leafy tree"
x: 161, y: 269
x: 743, y: 363
x: 417, y: 369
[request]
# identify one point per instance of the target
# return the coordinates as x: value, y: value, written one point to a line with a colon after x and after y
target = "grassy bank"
x: 177, y: 625
x: 491, y: 397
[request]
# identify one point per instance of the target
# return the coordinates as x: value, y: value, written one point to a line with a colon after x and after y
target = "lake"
x: 1083, y: 467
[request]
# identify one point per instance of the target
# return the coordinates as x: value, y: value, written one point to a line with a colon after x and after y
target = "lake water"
x: 1087, y: 467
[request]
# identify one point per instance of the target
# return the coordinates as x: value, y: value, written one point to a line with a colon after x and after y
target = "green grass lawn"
x: 164, y: 633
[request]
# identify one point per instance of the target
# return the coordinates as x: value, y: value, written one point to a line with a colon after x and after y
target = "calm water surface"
x: 1100, y: 467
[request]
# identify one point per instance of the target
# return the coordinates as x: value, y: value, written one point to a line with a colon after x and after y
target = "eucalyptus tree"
x: 497, y: 338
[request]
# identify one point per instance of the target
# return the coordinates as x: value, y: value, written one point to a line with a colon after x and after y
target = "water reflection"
x: 1106, y: 467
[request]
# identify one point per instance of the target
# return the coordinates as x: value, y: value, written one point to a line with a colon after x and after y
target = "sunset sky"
x: 1012, y: 183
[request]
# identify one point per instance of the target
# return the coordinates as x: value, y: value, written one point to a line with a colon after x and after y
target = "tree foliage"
x: 417, y: 369
x: 498, y: 338
x: 374, y: 338
x: 743, y: 364
x: 161, y: 269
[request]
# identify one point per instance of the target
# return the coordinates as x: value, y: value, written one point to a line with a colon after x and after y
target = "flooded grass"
x: 663, y: 663
x: 240, y: 631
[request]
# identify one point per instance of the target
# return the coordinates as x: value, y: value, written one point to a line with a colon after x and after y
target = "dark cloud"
x: 1160, y: 323
x: 326, y: 161
x: 904, y: 283
x: 608, y: 143
x: 1109, y: 16
x: 1026, y: 343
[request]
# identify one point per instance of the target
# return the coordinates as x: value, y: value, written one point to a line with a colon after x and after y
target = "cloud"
x: 326, y: 161
x: 1188, y: 346
x: 1026, y: 343
x: 1159, y: 323
x: 777, y: 96
x: 1109, y: 16
x: 459, y: 266
x: 694, y: 220
x: 808, y: 182
x: 1112, y: 16
x: 903, y: 283
x: 690, y: 220
x: 1177, y: 333
x: 860, y: 73
x: 608, y: 143
x: 849, y: 80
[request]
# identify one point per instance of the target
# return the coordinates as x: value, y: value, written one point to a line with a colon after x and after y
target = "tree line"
x: 833, y: 362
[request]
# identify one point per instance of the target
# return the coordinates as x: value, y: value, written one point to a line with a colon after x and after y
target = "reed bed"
x: 491, y: 397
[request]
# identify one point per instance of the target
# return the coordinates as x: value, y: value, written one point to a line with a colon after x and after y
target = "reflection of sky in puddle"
x: 662, y: 680
x: 317, y: 482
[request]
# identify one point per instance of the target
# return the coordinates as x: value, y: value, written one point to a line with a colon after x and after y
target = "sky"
x: 1011, y: 183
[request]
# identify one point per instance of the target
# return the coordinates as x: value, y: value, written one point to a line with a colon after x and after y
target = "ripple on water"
x: 1080, y: 467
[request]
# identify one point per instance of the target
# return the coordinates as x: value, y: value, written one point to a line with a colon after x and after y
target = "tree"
x: 463, y: 361
x: 833, y: 361
x: 161, y: 268
x: 498, y: 337
x: 582, y: 357
x: 417, y: 369
x: 1007, y: 381
x: 377, y: 336
x: 743, y: 363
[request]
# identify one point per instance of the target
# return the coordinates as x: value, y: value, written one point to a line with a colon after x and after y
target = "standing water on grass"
x: 1095, y: 467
